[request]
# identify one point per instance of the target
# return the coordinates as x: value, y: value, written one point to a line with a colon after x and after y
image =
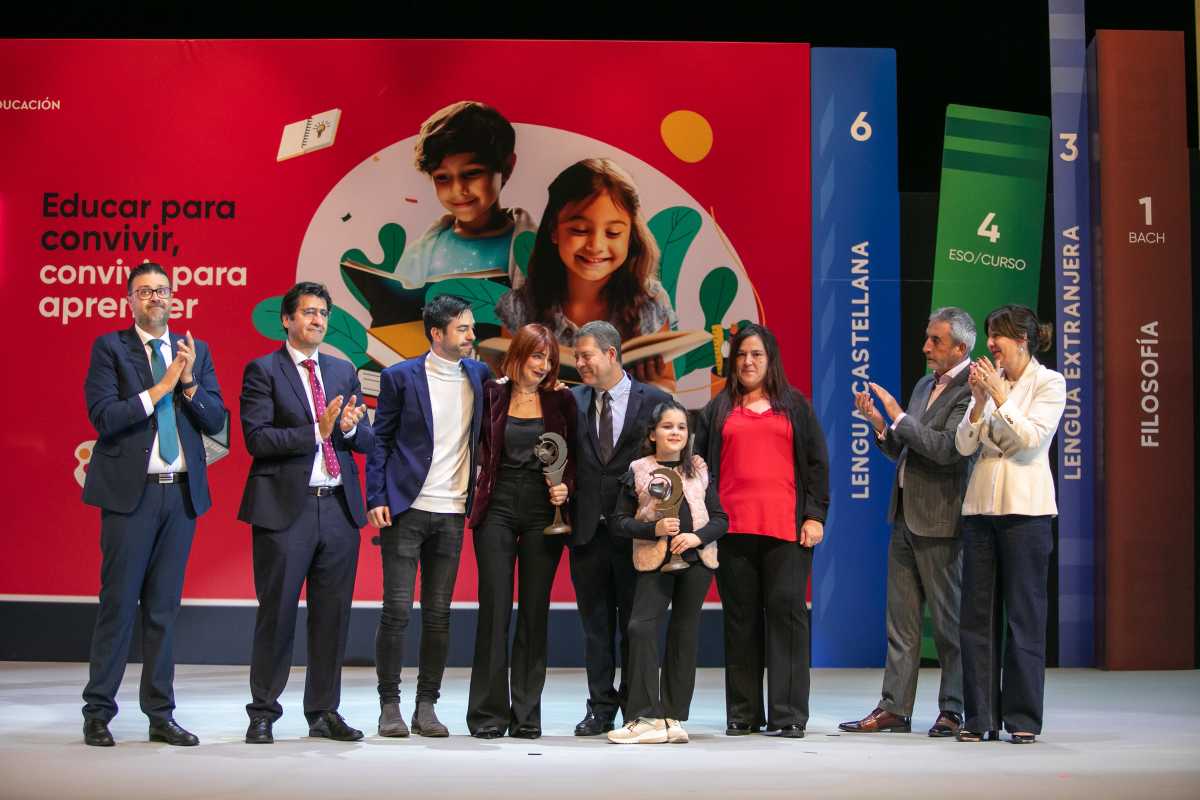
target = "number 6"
x: 860, y: 130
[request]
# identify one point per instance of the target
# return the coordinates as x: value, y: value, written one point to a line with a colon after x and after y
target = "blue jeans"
x: 1006, y: 562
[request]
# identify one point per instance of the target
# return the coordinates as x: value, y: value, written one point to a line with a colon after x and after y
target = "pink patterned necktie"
x: 331, y: 462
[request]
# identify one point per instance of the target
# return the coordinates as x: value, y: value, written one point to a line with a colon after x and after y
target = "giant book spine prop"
x: 1075, y: 326
x: 1144, y: 268
x: 856, y: 320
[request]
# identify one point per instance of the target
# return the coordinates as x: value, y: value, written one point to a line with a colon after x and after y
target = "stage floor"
x: 1107, y: 735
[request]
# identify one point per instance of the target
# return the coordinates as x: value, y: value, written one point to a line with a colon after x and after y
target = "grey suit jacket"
x: 935, y: 474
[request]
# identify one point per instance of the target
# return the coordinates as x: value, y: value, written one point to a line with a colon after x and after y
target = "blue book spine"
x: 856, y: 323
x: 1075, y: 328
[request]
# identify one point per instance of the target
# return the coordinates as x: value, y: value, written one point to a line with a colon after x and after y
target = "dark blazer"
x: 809, y: 454
x: 399, y: 462
x: 558, y: 416
x: 600, y: 482
x: 118, y: 372
x: 935, y: 474
x: 278, y: 429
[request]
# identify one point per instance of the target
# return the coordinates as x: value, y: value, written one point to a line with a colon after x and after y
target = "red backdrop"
x: 201, y: 120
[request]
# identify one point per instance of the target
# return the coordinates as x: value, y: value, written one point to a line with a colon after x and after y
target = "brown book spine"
x: 1144, y: 253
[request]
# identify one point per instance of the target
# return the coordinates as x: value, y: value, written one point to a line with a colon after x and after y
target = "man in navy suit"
x: 614, y: 414
x: 150, y: 394
x: 420, y: 481
x: 305, y: 507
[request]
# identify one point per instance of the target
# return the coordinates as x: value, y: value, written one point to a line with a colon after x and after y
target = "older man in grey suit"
x: 924, y: 556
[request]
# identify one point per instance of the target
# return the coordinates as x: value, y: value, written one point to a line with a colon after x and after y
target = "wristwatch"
x: 185, y: 386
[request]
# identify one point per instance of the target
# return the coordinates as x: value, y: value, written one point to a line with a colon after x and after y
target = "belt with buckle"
x: 166, y: 477
x: 324, y: 491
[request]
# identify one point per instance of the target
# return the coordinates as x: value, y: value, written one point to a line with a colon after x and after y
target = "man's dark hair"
x: 440, y: 311
x: 149, y: 268
x: 291, y: 300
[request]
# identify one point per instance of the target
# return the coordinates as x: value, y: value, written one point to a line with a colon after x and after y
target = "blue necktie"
x: 164, y: 409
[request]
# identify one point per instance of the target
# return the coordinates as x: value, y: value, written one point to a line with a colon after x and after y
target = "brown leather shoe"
x: 948, y: 723
x: 879, y: 721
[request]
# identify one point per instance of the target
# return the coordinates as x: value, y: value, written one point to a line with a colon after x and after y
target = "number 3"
x: 1072, y: 151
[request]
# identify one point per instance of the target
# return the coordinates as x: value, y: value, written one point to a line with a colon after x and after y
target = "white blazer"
x: 1012, y: 474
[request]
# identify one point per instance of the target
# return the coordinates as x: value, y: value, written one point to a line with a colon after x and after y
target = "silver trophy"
x: 666, y: 487
x: 551, y: 450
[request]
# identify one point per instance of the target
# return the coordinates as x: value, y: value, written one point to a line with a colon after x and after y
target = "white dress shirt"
x: 1012, y: 475
x: 618, y: 404
x: 157, y: 465
x: 319, y: 476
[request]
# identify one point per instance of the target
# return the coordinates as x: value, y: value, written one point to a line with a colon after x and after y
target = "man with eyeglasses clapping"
x: 150, y: 395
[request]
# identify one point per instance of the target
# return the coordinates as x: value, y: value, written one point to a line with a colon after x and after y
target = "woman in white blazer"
x: 1016, y: 404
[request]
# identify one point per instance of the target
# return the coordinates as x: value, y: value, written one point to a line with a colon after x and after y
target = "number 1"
x: 1146, y: 201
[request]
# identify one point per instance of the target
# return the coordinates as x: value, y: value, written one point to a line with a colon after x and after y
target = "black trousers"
x: 143, y: 558
x: 763, y: 581
x: 320, y: 548
x: 511, y: 540
x: 1006, y: 565
x: 432, y: 542
x: 684, y: 592
x: 603, y: 575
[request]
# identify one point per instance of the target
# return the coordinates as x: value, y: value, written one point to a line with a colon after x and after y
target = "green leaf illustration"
x: 701, y: 358
x: 391, y: 239
x: 523, y: 249
x: 348, y: 335
x: 266, y: 318
x: 717, y: 292
x: 674, y: 229
x: 482, y: 294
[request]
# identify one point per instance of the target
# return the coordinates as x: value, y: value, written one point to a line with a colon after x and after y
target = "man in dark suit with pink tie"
x: 304, y: 502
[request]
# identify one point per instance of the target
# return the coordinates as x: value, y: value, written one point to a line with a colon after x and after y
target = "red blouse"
x: 758, y: 478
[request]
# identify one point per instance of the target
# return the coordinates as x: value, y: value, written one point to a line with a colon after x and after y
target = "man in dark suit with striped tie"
x: 304, y: 503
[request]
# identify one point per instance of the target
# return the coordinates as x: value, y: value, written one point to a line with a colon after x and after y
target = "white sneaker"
x: 641, y: 731
x: 675, y: 732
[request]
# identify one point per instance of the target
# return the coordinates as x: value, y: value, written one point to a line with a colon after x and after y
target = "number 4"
x: 992, y: 234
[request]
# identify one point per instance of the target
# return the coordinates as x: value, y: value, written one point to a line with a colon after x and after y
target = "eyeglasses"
x: 146, y: 292
x: 313, y: 313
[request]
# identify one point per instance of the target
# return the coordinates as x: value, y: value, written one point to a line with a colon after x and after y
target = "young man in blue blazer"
x: 420, y: 481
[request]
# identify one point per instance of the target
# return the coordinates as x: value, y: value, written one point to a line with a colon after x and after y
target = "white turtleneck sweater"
x: 452, y: 401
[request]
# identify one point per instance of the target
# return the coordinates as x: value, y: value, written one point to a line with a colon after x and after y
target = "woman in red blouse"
x: 766, y: 453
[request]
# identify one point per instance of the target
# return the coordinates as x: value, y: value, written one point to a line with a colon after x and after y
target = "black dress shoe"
x: 740, y: 729
x: 330, y: 725
x: 526, y: 731
x: 1024, y: 738
x: 592, y: 725
x: 169, y: 731
x: 259, y: 731
x: 793, y: 731
x: 95, y: 733
x: 488, y: 732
